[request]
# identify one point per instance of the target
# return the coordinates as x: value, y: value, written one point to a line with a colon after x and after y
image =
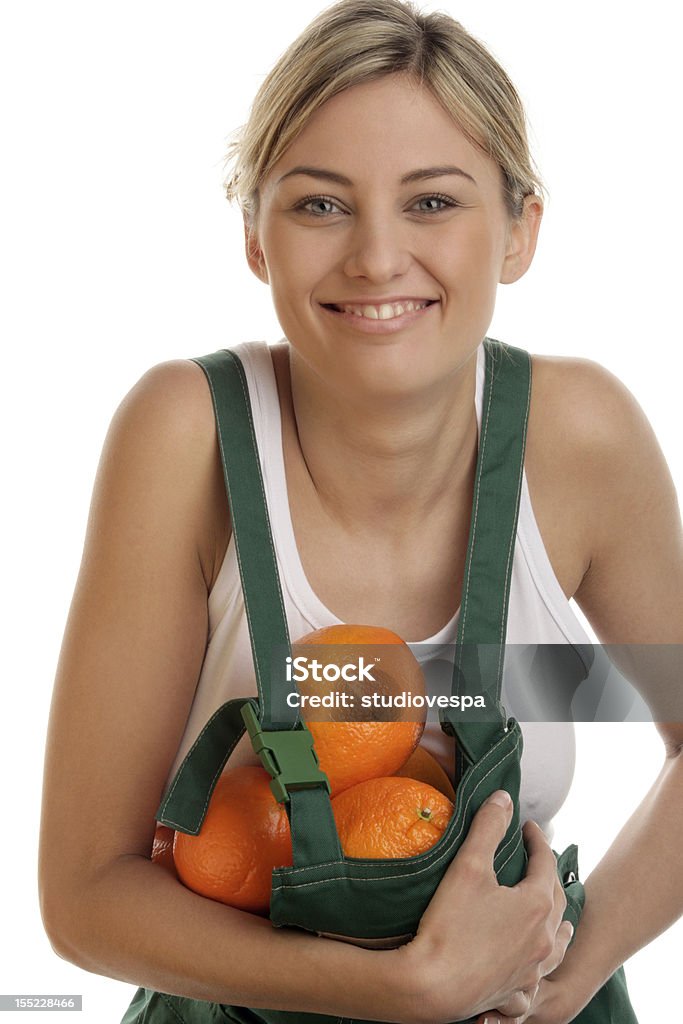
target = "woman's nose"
x: 378, y: 251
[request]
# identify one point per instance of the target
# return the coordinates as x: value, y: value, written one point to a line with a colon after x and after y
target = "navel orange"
x: 421, y: 765
x: 245, y: 834
x: 358, y: 743
x: 390, y: 817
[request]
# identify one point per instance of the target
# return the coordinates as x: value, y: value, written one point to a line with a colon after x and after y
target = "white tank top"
x: 539, y: 612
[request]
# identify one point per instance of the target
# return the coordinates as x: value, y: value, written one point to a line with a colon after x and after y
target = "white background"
x: 119, y: 251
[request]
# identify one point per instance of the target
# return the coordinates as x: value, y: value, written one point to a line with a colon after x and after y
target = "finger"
x: 516, y: 1005
x: 562, y: 940
x: 542, y: 866
x: 559, y: 900
x: 498, y: 1016
x: 488, y: 828
x: 538, y: 847
x: 560, y: 904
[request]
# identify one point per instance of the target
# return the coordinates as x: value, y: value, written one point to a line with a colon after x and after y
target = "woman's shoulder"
x: 171, y: 399
x: 588, y: 432
x: 588, y: 445
x: 163, y: 433
x: 584, y: 407
x: 597, y: 476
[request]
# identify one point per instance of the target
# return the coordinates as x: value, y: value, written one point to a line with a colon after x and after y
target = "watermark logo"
x: 304, y: 670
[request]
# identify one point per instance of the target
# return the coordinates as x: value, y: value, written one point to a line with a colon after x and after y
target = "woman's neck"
x: 383, y: 465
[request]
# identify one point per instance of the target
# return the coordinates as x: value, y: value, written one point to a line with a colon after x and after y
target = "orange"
x: 162, y: 847
x: 392, y: 817
x: 245, y: 834
x: 355, y: 744
x: 421, y: 765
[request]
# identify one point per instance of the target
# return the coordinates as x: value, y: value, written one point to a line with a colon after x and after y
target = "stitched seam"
x: 513, y: 536
x: 265, y: 710
x: 475, y: 515
x: 413, y: 874
x: 476, y: 503
x: 430, y: 853
x: 511, y: 854
x: 254, y: 449
x: 237, y: 546
x: 513, y: 839
x: 225, y: 759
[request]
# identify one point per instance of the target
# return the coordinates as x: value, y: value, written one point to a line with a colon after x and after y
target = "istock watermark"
x: 429, y: 682
x: 303, y: 669
x: 365, y: 682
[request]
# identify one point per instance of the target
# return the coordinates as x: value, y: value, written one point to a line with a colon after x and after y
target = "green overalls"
x: 379, y: 901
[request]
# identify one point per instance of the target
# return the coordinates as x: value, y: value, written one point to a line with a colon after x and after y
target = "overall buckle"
x: 288, y: 755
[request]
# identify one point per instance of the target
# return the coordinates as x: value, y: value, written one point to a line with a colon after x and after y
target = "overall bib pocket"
x: 376, y: 900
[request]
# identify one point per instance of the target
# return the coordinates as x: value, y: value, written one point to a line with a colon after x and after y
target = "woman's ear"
x: 254, y: 253
x: 522, y: 238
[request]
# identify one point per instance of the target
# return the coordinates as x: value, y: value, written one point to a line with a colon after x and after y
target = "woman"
x: 387, y: 190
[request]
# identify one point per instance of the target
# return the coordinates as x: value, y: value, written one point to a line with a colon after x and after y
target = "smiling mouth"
x: 382, y: 311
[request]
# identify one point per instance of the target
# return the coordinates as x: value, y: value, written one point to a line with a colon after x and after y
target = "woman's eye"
x: 318, y: 206
x: 434, y: 203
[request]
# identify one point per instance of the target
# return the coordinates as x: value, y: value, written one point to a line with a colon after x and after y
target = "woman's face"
x: 383, y: 234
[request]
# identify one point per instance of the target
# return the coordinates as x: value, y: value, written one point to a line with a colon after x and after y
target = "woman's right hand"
x: 481, y: 945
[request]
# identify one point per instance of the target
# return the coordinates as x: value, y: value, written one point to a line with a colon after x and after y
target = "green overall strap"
x: 480, y: 648
x: 184, y: 805
x: 283, y: 743
x: 251, y: 528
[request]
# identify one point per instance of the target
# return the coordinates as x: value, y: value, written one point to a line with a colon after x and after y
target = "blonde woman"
x: 387, y: 190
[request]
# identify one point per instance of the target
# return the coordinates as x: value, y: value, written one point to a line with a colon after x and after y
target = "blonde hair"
x: 356, y: 41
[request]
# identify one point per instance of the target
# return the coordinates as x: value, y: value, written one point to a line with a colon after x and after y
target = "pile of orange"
x: 390, y: 797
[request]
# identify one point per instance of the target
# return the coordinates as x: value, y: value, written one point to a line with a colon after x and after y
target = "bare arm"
x: 131, y: 657
x: 632, y: 593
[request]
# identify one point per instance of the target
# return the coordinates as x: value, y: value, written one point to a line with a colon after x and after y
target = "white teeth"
x: 386, y: 311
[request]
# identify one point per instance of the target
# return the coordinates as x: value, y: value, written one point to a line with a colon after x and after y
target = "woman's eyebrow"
x: 317, y: 172
x: 436, y: 172
x: 339, y: 179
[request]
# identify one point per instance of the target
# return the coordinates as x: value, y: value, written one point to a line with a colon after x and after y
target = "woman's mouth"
x: 381, y: 310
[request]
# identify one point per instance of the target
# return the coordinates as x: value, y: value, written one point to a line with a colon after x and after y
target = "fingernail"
x: 503, y: 799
